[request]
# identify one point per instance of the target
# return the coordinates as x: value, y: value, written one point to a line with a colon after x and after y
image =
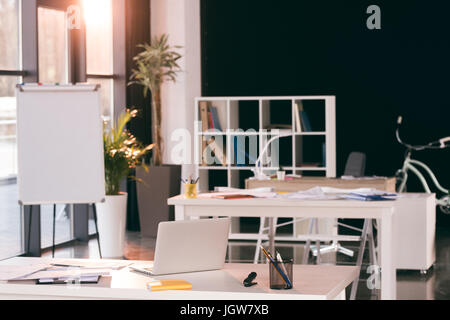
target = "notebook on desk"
x: 188, y: 246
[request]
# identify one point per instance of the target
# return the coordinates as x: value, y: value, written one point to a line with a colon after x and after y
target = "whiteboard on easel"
x: 60, y: 144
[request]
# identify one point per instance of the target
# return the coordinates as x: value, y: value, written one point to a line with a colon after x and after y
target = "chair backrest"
x: 356, y: 165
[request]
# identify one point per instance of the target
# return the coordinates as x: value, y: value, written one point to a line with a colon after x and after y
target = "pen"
x: 279, y: 258
x: 275, y: 265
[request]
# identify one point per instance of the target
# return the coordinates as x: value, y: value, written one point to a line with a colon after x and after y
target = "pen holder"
x: 276, y: 280
x: 281, y: 175
x: 190, y: 191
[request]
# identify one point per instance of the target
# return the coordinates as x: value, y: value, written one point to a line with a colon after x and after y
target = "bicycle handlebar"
x: 440, y: 144
x: 444, y: 141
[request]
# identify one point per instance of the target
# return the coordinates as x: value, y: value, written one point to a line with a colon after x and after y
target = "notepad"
x: 67, y: 280
x: 366, y: 197
x: 162, y: 285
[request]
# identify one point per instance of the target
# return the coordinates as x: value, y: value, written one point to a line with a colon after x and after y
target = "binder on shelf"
x: 204, y: 115
x: 302, y: 119
x: 215, y: 118
x: 324, y: 155
x: 298, y: 123
x: 204, y: 120
x: 210, y: 120
x: 305, y: 122
x: 209, y: 117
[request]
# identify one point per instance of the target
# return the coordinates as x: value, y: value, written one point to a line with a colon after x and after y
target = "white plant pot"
x: 111, y: 219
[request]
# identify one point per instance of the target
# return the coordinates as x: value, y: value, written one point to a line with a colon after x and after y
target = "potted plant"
x: 155, y: 65
x: 122, y: 153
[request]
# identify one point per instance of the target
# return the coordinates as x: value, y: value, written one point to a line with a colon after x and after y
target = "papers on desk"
x: 66, y: 273
x: 327, y: 193
x: 66, y: 280
x: 232, y: 193
x: 365, y: 197
x: 48, y: 272
x: 8, y: 273
x: 114, y: 265
x: 317, y: 193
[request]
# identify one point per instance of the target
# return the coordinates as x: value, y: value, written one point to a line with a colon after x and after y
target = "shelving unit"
x: 267, y: 110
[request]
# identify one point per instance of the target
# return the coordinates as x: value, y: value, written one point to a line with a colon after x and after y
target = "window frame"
x: 28, y: 32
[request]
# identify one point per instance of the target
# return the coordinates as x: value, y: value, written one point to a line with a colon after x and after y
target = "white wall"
x: 180, y: 19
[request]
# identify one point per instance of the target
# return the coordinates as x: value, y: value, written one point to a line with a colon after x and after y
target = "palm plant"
x: 122, y: 152
x: 156, y: 64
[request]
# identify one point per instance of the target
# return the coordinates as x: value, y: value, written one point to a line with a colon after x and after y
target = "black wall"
x: 262, y: 47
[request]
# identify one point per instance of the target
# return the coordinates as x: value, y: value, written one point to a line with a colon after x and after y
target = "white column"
x: 180, y: 19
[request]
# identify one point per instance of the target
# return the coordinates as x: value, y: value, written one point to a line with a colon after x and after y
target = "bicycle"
x: 413, y: 166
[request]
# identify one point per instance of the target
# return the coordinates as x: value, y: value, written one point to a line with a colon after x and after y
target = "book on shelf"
x: 210, y: 120
x: 302, y: 121
x: 215, y: 118
x: 298, y: 123
x: 324, y: 154
x: 209, y: 117
x: 204, y: 115
x: 204, y: 119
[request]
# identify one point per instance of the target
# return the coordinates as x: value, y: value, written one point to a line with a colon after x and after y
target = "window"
x: 53, y: 53
x: 99, y: 50
x: 10, y: 57
x: 55, y: 58
x: 10, y: 75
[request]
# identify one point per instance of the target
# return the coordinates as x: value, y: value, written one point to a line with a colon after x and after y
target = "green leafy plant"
x: 156, y: 64
x: 122, y: 152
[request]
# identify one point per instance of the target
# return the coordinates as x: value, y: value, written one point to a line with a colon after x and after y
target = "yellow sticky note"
x: 161, y: 285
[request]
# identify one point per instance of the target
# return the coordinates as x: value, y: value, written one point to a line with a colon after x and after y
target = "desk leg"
x: 179, y: 213
x: 388, y: 271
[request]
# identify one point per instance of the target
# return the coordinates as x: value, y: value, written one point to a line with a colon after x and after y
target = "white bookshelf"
x: 228, y: 116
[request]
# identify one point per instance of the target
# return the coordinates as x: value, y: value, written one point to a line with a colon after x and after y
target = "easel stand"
x: 94, y: 209
x: 30, y: 219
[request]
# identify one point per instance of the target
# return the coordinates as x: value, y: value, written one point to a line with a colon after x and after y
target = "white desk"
x: 310, y: 282
x: 382, y: 210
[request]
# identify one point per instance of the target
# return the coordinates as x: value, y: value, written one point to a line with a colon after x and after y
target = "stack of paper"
x: 8, y: 273
x: 317, y: 193
x: 114, y: 265
x: 363, y: 196
x: 328, y: 193
x: 63, y: 270
x: 66, y: 273
x: 230, y: 192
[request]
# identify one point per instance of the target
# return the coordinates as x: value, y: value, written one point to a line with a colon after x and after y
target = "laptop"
x: 189, y: 246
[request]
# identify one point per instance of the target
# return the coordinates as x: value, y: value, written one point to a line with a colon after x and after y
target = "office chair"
x: 356, y: 165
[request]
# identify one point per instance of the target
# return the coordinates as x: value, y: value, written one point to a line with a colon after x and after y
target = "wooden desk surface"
x: 310, y: 282
x: 306, y: 183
